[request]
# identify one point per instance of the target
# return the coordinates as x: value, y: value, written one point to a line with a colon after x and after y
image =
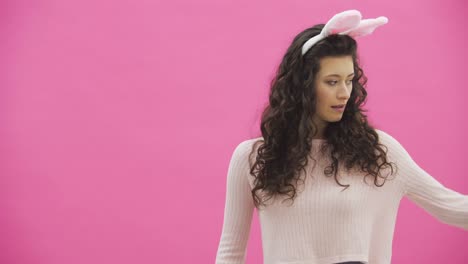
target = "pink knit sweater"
x: 326, y: 225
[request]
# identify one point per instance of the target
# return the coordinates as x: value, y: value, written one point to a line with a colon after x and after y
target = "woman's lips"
x: 339, y: 108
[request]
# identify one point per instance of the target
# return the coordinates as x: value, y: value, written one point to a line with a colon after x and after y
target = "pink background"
x: 118, y: 119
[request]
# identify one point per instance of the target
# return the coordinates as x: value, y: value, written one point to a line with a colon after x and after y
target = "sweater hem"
x: 328, y: 260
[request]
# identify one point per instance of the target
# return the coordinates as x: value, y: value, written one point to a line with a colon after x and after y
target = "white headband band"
x: 347, y: 22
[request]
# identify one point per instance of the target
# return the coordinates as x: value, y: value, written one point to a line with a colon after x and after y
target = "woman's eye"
x: 334, y: 82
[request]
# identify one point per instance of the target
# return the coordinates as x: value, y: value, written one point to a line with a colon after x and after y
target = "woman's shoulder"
x: 385, y: 137
x: 250, y: 141
x: 246, y: 146
x: 390, y: 141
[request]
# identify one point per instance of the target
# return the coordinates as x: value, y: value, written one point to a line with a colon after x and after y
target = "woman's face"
x: 333, y: 85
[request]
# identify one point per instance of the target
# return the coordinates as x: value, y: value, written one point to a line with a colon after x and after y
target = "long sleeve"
x: 446, y: 205
x: 238, y: 209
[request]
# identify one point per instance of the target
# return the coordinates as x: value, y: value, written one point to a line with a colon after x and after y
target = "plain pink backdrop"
x: 118, y: 119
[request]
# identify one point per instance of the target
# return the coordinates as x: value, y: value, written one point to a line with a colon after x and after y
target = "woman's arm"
x: 448, y: 206
x: 238, y: 209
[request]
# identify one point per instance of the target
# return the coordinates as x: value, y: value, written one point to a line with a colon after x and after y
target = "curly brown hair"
x: 287, y: 131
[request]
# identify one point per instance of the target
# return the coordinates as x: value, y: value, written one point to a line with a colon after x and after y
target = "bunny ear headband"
x: 348, y: 22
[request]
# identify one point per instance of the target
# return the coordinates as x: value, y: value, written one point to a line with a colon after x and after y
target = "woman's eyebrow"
x: 338, y: 75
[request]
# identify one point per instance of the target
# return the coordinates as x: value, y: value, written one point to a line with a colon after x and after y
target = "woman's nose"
x: 344, y: 92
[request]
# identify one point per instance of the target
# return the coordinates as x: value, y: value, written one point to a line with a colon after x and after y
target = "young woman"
x: 326, y: 184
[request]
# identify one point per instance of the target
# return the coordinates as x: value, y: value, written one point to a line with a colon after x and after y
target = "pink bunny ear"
x: 347, y: 22
x: 366, y: 27
x: 341, y: 22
